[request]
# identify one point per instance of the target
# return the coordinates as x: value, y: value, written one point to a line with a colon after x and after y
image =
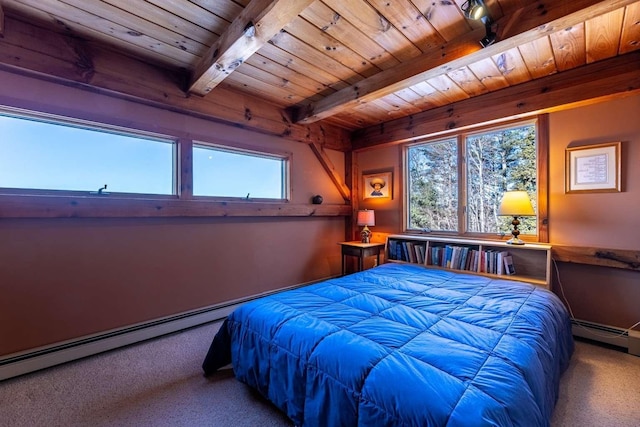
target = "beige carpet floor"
x: 160, y: 383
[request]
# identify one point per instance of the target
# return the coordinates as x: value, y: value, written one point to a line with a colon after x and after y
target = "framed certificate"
x: 593, y: 168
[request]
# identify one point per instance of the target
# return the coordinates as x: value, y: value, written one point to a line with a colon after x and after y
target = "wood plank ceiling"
x: 354, y: 63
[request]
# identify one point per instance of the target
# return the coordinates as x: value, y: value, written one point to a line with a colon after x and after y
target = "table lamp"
x: 515, y: 204
x: 367, y: 218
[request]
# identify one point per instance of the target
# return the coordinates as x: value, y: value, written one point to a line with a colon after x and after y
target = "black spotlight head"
x: 474, y: 9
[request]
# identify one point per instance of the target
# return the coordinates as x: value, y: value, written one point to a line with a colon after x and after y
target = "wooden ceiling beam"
x: 255, y: 26
x: 607, y: 79
x: 524, y: 25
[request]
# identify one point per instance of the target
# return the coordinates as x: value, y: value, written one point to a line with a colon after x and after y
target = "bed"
x: 402, y: 345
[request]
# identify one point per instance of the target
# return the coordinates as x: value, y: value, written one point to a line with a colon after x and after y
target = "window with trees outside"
x: 455, y: 184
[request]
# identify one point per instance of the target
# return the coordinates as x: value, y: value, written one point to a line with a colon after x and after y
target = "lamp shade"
x: 366, y: 217
x: 516, y: 203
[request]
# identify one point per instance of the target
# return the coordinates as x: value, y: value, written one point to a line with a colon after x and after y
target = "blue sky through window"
x: 39, y: 155
x: 47, y: 156
x: 225, y: 174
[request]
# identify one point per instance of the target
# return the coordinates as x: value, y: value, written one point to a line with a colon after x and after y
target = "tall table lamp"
x: 367, y: 218
x: 515, y: 204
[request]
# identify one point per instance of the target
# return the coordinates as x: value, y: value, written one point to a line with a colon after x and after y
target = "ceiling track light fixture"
x: 478, y: 11
x: 474, y: 9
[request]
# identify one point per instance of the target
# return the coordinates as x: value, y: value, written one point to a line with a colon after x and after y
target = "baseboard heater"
x: 608, y: 335
x: 32, y: 360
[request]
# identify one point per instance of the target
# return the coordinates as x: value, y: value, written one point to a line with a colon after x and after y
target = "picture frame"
x: 593, y: 168
x: 377, y: 185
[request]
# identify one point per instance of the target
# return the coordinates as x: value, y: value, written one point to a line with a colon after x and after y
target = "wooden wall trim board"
x: 21, y: 206
x: 543, y: 177
x: 587, y: 84
x: 604, y: 257
x: 65, y: 59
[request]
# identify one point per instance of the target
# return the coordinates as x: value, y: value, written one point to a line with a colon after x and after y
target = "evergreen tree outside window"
x: 455, y: 185
x: 433, y: 186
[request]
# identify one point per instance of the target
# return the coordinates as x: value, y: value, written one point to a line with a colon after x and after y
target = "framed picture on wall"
x: 377, y: 185
x: 593, y: 168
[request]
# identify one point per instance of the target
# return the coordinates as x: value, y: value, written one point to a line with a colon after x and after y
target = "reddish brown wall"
x: 61, y: 279
x: 606, y: 220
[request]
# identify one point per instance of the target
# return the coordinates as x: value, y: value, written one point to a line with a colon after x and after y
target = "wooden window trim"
x: 542, y: 159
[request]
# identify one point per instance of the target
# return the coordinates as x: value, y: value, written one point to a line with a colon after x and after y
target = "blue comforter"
x: 402, y: 345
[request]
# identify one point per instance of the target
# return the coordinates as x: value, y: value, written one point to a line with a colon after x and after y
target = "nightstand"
x: 360, y: 250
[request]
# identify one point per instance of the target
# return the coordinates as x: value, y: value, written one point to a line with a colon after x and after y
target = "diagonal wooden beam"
x: 327, y: 164
x: 524, y: 25
x: 255, y: 26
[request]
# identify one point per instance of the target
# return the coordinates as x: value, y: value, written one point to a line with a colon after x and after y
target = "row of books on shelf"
x: 453, y: 256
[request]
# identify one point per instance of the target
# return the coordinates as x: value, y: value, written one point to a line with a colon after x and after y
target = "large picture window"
x: 454, y: 185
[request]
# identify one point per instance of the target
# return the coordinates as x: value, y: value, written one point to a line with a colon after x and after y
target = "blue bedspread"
x: 402, y: 345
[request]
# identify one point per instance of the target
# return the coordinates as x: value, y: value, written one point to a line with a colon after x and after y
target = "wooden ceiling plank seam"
x: 194, y: 14
x: 603, y: 35
x: 276, y: 94
x: 255, y: 26
x: 448, y: 88
x: 467, y: 81
x: 538, y: 57
x: 512, y: 66
x: 287, y: 42
x: 227, y: 10
x: 286, y: 59
x: 339, y: 28
x: 569, y: 47
x: 445, y: 17
x: 607, y: 79
x: 275, y: 80
x: 362, y: 15
x: 390, y: 104
x: 268, y: 65
x: 399, y: 103
x: 140, y: 25
x: 159, y: 16
x: 541, y: 24
x: 326, y: 44
x: 488, y: 74
x: 403, y: 15
x: 161, y: 55
x: 630, y: 39
x: 328, y: 166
